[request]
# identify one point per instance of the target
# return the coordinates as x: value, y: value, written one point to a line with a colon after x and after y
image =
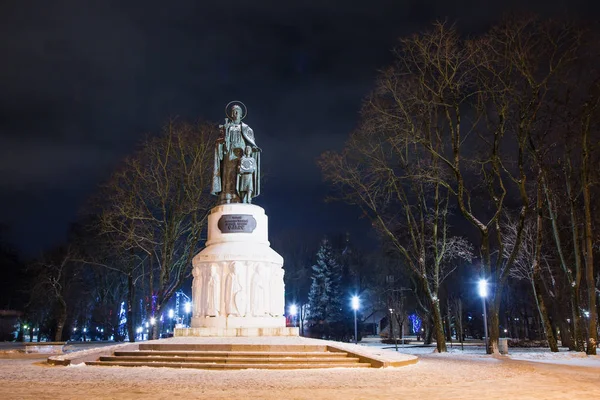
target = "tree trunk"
x: 541, y: 305
x: 577, y: 328
x: 60, y: 321
x: 130, y: 302
x: 565, y: 335
x: 428, y: 334
x: 494, y: 323
x: 156, y: 327
x: 577, y: 324
x: 448, y: 325
x: 536, y: 279
x: 459, y: 322
x: 438, y: 326
x: 589, y: 251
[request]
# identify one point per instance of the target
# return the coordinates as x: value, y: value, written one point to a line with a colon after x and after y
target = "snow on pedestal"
x: 238, y: 285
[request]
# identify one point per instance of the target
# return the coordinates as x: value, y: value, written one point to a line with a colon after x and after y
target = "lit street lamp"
x: 483, y: 292
x: 293, y: 312
x: 188, y: 310
x: 355, y: 306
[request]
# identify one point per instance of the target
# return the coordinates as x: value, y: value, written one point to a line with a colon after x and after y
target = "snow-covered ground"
x: 458, y: 374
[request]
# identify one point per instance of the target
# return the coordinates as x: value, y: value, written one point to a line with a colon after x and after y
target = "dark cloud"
x: 81, y: 83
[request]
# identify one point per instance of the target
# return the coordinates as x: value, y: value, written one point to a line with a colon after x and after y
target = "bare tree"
x: 528, y: 264
x: 457, y: 118
x: 456, y: 308
x: 395, y: 184
x: 158, y: 202
x: 57, y: 277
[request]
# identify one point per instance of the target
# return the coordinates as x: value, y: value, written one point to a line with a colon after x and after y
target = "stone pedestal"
x: 238, y: 285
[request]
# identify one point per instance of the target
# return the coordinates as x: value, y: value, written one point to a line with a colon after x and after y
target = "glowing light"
x: 152, y: 321
x: 74, y: 329
x: 147, y: 324
x: 84, y: 330
x: 355, y: 303
x: 188, y: 307
x: 293, y: 310
x: 483, y: 290
x: 171, y: 313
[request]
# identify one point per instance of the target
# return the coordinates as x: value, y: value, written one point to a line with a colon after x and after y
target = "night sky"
x: 81, y: 84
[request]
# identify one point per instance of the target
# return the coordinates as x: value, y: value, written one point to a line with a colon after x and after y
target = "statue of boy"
x: 246, y: 176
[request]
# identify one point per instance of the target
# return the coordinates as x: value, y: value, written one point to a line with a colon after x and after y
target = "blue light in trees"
x: 415, y: 322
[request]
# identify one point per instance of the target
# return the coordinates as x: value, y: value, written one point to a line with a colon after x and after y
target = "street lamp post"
x: 355, y: 306
x: 483, y: 292
x: 392, y: 328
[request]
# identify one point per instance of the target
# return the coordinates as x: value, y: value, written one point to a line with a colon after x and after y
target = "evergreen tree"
x: 325, y: 296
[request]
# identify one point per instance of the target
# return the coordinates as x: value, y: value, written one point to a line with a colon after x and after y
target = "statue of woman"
x: 258, y: 294
x: 213, y: 293
x: 235, y: 300
x: 229, y: 149
x: 197, y: 292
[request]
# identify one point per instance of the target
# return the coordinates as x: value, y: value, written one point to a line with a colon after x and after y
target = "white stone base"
x: 232, y: 322
x: 238, y: 279
x: 235, y: 332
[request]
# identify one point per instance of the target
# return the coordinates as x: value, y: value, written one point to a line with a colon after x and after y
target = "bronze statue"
x: 246, y: 176
x: 236, y: 172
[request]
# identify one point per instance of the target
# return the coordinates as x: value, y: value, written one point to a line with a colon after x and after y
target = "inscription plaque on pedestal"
x: 237, y: 223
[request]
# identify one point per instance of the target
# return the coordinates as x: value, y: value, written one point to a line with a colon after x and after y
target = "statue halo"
x: 233, y: 103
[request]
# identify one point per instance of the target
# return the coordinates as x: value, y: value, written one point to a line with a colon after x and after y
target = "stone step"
x: 227, y: 365
x: 231, y: 347
x: 233, y: 359
x: 146, y: 353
